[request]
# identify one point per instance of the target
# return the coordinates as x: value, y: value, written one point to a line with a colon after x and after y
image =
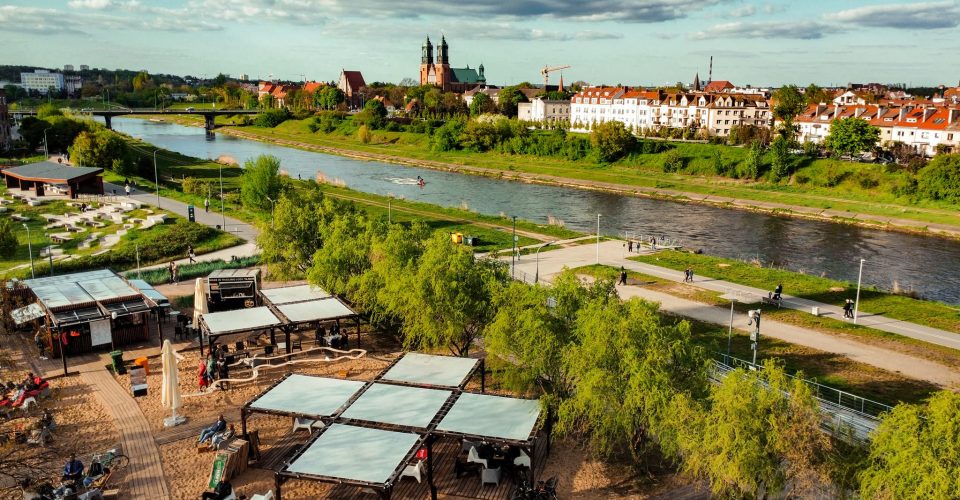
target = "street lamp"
x: 733, y: 301
x: 856, y: 305
x: 273, y: 206
x: 536, y: 276
x: 46, y: 152
x: 513, y: 251
x: 156, y: 178
x: 33, y: 274
x: 598, y: 238
x: 50, y: 252
x: 754, y: 315
x: 224, y: 215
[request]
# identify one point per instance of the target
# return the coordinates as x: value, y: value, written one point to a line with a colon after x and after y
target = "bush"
x: 364, y: 134
x: 271, y: 118
x: 196, y: 186
x: 672, y: 161
x: 260, y: 182
x: 99, y: 149
x: 652, y: 147
x: 447, y: 137
x: 940, y: 179
x: 8, y: 239
x: 611, y: 141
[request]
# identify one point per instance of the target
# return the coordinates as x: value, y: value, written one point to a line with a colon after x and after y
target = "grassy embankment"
x: 830, y: 369
x: 210, y: 240
x: 823, y: 184
x: 493, y: 232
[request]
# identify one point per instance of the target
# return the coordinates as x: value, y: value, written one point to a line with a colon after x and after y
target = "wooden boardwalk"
x: 144, y: 476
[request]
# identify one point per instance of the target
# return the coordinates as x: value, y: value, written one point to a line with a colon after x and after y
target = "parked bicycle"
x: 545, y: 490
x: 111, y: 459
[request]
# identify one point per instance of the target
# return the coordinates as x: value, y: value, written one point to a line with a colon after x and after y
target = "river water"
x: 928, y: 265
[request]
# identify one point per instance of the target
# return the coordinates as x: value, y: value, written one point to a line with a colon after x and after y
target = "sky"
x: 631, y: 42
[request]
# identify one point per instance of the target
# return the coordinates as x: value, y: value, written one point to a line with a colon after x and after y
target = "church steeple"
x: 696, y: 82
x: 481, y: 78
x: 443, y: 55
x: 427, y: 57
x: 560, y: 86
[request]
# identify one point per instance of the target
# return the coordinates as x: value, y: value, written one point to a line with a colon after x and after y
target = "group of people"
x: 337, y: 340
x: 848, y: 309
x: 688, y: 275
x: 17, y: 392
x: 216, y: 433
x: 214, y: 367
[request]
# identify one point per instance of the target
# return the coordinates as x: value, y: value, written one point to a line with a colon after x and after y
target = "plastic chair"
x: 415, y: 471
x: 472, y: 456
x: 490, y: 476
x: 307, y: 424
x: 266, y: 496
x: 523, y: 460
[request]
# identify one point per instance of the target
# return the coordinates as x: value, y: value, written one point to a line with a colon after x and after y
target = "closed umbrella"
x: 199, y: 302
x: 170, y: 390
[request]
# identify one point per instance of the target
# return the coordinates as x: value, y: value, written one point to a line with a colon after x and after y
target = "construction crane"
x: 546, y: 73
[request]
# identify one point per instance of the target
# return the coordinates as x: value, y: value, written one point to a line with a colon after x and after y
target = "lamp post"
x: 513, y: 251
x: 33, y: 274
x: 224, y: 215
x: 536, y: 276
x: 50, y: 252
x: 273, y: 206
x: 856, y: 305
x: 156, y: 178
x: 46, y: 152
x: 730, y: 330
x: 598, y: 238
x: 754, y: 315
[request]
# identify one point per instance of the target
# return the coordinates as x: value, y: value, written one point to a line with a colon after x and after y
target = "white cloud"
x: 801, y: 30
x: 923, y: 15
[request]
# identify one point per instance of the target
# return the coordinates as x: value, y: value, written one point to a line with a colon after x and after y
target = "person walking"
x: 41, y: 344
x: 623, y: 276
x: 629, y: 246
x: 777, y: 291
x: 690, y: 274
x: 191, y: 255
x: 848, y: 309
x: 206, y: 205
x: 175, y: 272
x: 126, y: 187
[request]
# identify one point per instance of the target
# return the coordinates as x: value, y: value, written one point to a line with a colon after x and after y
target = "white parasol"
x: 199, y: 302
x: 170, y: 390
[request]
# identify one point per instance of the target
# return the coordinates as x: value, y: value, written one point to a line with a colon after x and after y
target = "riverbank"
x: 715, y: 192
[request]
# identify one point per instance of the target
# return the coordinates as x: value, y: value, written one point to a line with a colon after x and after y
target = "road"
x: 613, y: 254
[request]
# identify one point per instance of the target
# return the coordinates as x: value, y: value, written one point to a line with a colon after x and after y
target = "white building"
x: 72, y: 83
x: 67, y: 67
x: 545, y: 111
x: 42, y: 81
x: 84, y: 67
x: 593, y: 106
x: 492, y: 92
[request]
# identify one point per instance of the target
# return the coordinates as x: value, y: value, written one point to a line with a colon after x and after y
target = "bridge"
x: 209, y: 115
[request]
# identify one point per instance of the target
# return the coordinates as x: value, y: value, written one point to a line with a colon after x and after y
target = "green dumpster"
x: 117, y: 358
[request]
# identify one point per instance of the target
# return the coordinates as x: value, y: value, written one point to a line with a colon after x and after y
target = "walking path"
x: 613, y: 254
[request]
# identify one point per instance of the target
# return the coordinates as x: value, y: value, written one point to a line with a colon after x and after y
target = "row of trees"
x: 617, y: 375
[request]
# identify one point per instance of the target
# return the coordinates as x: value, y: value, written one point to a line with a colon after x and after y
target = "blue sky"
x: 636, y: 42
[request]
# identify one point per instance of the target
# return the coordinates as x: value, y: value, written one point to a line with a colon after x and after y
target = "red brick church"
x: 438, y: 71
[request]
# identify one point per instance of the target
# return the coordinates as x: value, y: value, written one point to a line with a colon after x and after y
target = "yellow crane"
x: 546, y: 73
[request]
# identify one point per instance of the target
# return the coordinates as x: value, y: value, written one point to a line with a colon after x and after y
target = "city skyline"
x: 634, y: 42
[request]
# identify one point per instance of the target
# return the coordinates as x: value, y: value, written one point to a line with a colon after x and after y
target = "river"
x: 927, y: 265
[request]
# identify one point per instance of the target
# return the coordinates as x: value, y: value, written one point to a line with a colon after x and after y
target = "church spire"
x: 560, y: 85
x: 696, y: 82
x: 427, y: 57
x: 443, y: 55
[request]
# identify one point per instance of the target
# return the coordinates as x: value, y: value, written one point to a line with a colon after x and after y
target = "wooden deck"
x: 191, y: 429
x: 448, y: 485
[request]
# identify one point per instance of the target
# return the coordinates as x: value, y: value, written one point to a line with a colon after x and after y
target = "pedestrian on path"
x: 777, y: 291
x: 126, y: 187
x: 191, y: 254
x: 41, y: 344
x: 623, y: 276
x: 206, y: 205
x: 848, y: 309
x: 629, y: 246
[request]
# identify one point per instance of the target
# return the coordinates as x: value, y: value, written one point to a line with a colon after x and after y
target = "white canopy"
x: 398, y: 405
x: 442, y: 371
x: 492, y: 416
x: 291, y: 294
x: 302, y: 394
x: 240, y: 320
x: 355, y: 453
x: 316, y: 310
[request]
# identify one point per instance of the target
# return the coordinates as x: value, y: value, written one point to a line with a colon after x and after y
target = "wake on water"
x: 403, y: 181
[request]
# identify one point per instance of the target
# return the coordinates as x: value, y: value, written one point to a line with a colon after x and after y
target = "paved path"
x: 144, y: 477
x: 613, y: 254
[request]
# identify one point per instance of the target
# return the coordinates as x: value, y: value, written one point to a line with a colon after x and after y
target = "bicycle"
x: 111, y: 459
x: 545, y: 490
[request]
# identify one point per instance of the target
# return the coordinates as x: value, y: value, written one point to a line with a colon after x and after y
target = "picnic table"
x: 60, y: 238
x: 49, y: 217
x: 19, y: 218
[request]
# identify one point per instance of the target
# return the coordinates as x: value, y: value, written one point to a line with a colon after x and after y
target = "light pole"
x: 390, y: 210
x: 33, y: 274
x: 513, y: 251
x: 50, y: 253
x: 856, y: 305
x: 224, y: 215
x: 273, y: 207
x: 46, y: 152
x: 598, y: 238
x: 536, y: 276
x: 754, y: 315
x: 156, y: 178
x: 730, y: 331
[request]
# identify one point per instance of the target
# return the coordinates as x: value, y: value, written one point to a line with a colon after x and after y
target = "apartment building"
x: 42, y: 81
x: 545, y: 111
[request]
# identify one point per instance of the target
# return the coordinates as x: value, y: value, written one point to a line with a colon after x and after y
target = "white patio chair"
x: 307, y: 424
x: 472, y: 456
x: 27, y: 403
x: 266, y: 496
x: 415, y: 471
x: 466, y: 445
x: 490, y: 476
x: 523, y: 460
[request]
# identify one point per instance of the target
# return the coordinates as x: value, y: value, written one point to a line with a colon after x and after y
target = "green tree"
x: 447, y: 298
x: 447, y: 137
x: 814, y: 94
x: 754, y: 164
x: 508, y: 99
x: 374, y: 114
x: 940, y: 179
x: 344, y: 256
x: 271, y: 117
x: 47, y: 110
x: 98, y: 149
x: 260, y: 182
x: 851, y: 136
x: 758, y: 432
x: 482, y: 103
x: 8, y: 239
x: 482, y: 135
x: 914, y: 453
x: 779, y: 158
x: 611, y: 141
x: 628, y: 365
x: 788, y: 103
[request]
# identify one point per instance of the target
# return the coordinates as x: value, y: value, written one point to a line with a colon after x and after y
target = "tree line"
x: 619, y: 376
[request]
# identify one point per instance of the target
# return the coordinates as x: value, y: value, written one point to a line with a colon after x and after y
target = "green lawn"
x: 923, y: 312
x: 820, y: 183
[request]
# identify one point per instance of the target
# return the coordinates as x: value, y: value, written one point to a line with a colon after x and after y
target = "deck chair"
x: 490, y: 476
x: 266, y: 496
x: 415, y: 471
x: 523, y: 460
x: 472, y: 456
x: 306, y: 423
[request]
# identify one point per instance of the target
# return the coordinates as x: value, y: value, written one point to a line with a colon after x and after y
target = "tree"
x: 329, y: 97
x: 913, y: 452
x: 758, y: 432
x: 628, y: 366
x: 851, y: 136
x: 754, y: 165
x: 98, y: 149
x: 271, y: 117
x: 611, y: 141
x: 260, y: 182
x: 779, y: 158
x: 344, y: 256
x: 508, y: 99
x: 47, y: 110
x: 8, y: 239
x: 446, y: 299
x: 788, y: 103
x: 447, y: 137
x: 481, y: 103
x: 940, y: 179
x: 813, y: 94
x: 374, y: 114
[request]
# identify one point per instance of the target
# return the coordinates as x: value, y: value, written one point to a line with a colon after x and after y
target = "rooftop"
x: 49, y: 171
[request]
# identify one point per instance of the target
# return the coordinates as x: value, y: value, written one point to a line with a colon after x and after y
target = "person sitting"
x: 207, y: 434
x: 223, y: 437
x: 319, y: 334
x: 73, y: 470
x: 223, y: 490
x: 94, y: 472
x: 46, y: 420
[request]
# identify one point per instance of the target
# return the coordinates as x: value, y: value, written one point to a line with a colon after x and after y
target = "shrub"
x: 611, y: 141
x: 8, y: 239
x: 447, y: 137
x: 196, y: 186
x: 271, y: 118
x: 940, y: 179
x: 672, y: 161
x: 364, y: 134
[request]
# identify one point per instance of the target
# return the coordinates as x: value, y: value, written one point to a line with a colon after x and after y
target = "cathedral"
x: 438, y: 71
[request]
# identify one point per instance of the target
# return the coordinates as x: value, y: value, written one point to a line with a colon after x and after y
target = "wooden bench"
x: 771, y: 301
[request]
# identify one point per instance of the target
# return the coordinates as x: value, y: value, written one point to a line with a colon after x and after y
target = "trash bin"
x: 815, y: 311
x: 469, y: 240
x: 143, y: 363
x: 116, y: 357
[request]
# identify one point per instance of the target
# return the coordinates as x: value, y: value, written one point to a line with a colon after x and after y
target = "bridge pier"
x: 106, y: 120
x: 209, y: 122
